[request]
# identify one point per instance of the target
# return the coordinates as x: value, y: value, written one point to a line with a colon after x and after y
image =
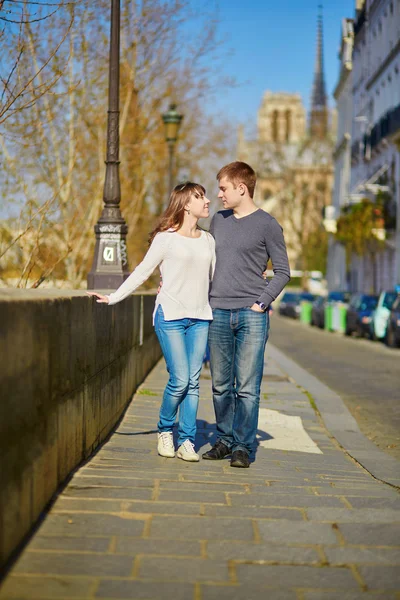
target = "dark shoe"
x: 217, y: 452
x: 240, y: 459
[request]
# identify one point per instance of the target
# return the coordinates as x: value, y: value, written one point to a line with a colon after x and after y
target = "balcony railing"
x: 388, y: 125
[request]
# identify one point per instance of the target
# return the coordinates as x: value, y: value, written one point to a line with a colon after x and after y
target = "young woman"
x: 182, y: 314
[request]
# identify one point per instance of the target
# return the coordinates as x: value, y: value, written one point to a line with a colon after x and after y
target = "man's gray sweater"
x: 243, y: 247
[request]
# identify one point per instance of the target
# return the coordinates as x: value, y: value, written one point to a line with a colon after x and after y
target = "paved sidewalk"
x: 305, y: 522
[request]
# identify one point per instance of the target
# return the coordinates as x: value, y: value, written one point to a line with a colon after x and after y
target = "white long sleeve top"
x: 186, y: 265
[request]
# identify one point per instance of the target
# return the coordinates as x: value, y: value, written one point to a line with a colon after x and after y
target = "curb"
x: 340, y: 423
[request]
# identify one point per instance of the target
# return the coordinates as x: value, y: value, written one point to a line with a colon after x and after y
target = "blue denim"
x: 237, y: 340
x: 183, y: 342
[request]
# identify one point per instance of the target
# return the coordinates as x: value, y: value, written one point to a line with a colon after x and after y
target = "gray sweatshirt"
x: 243, y: 248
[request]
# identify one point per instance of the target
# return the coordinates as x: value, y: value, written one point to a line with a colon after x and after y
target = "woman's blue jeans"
x: 237, y: 340
x: 183, y: 342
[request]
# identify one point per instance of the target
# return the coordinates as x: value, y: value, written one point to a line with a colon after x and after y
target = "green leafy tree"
x: 360, y: 230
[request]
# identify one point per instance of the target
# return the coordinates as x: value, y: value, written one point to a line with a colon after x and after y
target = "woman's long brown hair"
x: 175, y: 211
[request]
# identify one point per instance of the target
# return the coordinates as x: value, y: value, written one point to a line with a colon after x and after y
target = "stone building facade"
x: 281, y: 119
x: 370, y: 107
x: 336, y: 267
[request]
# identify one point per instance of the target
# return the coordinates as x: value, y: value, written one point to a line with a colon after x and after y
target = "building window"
x: 288, y: 117
x: 275, y: 126
x: 321, y: 187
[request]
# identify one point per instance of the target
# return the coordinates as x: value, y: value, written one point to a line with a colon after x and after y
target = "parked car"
x: 392, y: 337
x: 290, y: 305
x: 380, y: 316
x: 359, y: 314
x: 319, y: 304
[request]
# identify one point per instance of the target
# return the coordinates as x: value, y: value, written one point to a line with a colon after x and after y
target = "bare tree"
x: 54, y: 151
x: 20, y: 85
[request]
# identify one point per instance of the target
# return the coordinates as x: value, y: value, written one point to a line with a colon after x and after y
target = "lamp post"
x: 110, y: 263
x: 172, y: 120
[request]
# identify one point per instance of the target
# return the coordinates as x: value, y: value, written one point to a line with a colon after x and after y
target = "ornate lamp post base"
x: 110, y: 265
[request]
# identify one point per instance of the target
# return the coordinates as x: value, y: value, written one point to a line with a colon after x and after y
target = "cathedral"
x: 292, y: 155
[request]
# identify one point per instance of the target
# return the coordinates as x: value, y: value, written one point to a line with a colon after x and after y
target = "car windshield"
x: 368, y: 302
x: 288, y: 297
x: 389, y: 299
x: 338, y: 296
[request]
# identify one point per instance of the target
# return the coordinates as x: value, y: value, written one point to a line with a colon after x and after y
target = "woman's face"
x: 198, y: 205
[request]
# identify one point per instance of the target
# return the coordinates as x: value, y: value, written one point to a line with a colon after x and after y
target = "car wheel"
x: 390, y: 338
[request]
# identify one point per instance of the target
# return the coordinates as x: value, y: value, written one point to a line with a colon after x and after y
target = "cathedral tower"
x: 319, y: 108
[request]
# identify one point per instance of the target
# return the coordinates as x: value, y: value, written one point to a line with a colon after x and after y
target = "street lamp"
x: 172, y: 120
x: 110, y: 263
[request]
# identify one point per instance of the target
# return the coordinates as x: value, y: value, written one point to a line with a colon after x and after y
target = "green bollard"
x: 305, y: 312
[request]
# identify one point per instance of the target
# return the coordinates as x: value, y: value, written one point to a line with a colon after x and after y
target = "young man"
x: 246, y: 238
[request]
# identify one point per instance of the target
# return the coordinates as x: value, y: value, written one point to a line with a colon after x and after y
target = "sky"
x: 272, y: 45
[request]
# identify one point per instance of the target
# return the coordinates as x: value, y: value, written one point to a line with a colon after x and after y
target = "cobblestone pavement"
x: 305, y: 522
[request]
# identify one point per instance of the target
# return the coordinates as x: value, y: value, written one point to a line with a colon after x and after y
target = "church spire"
x: 319, y: 109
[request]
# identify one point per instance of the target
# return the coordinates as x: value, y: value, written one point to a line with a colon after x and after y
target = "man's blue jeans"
x: 237, y: 340
x: 183, y: 342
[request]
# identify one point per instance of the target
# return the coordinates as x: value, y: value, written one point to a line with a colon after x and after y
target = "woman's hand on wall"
x: 100, y: 298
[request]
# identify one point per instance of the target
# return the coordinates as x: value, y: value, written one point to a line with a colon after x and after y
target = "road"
x: 365, y: 374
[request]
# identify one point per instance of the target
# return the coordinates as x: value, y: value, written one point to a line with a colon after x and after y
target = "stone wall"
x: 69, y: 366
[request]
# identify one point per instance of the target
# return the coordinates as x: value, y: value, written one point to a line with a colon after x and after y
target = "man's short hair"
x: 239, y: 172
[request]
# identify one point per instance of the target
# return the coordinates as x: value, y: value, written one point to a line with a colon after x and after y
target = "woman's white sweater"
x: 186, y: 265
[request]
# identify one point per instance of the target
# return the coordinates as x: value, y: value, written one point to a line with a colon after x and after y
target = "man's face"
x: 230, y: 196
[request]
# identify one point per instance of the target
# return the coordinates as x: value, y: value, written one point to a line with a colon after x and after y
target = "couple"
x: 231, y: 313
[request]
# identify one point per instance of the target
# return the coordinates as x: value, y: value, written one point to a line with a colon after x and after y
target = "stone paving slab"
x: 297, y: 525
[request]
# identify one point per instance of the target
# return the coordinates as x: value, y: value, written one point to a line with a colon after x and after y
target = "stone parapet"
x: 69, y: 367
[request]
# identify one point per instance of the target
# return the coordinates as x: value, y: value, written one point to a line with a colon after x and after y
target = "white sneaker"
x: 186, y: 452
x: 165, y: 444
